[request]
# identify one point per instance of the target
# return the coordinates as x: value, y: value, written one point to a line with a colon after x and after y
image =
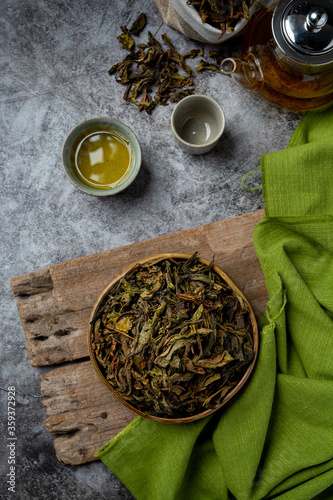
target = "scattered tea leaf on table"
x: 152, y: 74
x: 126, y: 39
x: 138, y: 25
x: 204, y: 66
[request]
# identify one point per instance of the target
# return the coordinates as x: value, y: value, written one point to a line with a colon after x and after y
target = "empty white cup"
x: 197, y: 123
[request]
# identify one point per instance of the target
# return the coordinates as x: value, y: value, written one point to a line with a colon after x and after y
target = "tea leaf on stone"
x: 126, y: 39
x: 204, y: 66
x: 138, y: 25
x: 151, y: 73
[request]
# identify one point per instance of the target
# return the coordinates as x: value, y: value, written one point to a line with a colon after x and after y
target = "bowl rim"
x: 136, y: 166
x: 226, y: 399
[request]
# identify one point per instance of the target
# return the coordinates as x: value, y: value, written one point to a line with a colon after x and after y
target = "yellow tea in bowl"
x: 103, y: 159
x: 101, y: 156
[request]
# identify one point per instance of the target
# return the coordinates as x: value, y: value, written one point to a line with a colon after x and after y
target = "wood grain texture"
x: 55, y: 318
x: 82, y: 409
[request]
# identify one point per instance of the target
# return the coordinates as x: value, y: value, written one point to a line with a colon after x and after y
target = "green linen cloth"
x: 275, y: 438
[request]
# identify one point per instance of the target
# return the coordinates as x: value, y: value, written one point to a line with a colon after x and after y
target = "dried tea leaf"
x: 204, y: 66
x: 151, y: 69
x: 138, y: 25
x: 222, y: 15
x: 175, y: 56
x: 126, y: 39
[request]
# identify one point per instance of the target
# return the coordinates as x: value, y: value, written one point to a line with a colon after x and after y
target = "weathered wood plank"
x: 32, y: 283
x: 55, y: 321
x: 78, y: 403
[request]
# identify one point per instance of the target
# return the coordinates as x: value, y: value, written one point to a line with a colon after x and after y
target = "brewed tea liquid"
x: 103, y: 159
x: 283, y: 85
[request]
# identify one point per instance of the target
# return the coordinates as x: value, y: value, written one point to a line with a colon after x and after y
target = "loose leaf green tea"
x: 152, y: 70
x: 126, y: 39
x: 206, y: 66
x: 172, y: 338
x: 220, y: 14
x: 218, y: 57
x: 138, y: 25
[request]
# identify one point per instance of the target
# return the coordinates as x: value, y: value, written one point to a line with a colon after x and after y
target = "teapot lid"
x: 303, y: 29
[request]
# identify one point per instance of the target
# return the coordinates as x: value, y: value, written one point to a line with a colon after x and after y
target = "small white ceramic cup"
x: 197, y: 123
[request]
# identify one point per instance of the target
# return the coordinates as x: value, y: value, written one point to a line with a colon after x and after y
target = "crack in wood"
x: 63, y: 332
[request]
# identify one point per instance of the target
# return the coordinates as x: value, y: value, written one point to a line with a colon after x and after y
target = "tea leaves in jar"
x: 222, y: 15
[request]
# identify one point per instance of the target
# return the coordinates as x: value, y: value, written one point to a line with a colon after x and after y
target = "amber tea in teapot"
x: 288, y: 55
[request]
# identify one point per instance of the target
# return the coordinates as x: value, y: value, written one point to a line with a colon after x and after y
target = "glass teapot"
x: 288, y: 54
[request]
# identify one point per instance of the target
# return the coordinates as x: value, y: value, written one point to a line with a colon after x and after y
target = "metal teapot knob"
x: 316, y: 20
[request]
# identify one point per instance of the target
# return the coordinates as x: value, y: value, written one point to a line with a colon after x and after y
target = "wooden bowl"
x: 228, y: 396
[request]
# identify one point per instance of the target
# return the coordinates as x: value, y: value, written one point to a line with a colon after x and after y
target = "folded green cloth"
x: 275, y: 438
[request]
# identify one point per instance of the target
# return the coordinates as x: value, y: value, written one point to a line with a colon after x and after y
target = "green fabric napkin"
x: 275, y: 439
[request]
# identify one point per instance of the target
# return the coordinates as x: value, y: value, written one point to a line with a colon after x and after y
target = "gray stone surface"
x: 54, y: 61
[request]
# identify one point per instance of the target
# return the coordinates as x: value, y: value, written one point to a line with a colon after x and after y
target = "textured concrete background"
x: 54, y: 61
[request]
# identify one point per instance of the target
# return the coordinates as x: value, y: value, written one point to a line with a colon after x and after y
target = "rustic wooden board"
x: 82, y: 409
x: 56, y: 312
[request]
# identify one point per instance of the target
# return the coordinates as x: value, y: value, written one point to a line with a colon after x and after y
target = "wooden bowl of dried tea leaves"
x: 173, y: 338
